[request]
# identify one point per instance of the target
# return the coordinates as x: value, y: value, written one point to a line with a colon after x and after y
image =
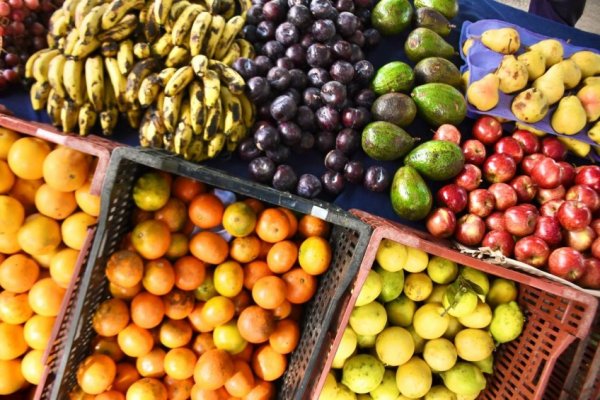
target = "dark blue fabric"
x: 390, y: 49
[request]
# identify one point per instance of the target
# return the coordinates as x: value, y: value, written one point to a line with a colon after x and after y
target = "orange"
x: 282, y: 256
x: 207, y: 289
x: 188, y: 228
x: 45, y: 297
x: 37, y: 331
x: 209, y: 247
x: 151, y: 239
x: 246, y: 354
x: 7, y: 138
x: 262, y: 391
x: 12, y: 341
x: 11, y: 377
x: 198, y: 320
x: 228, y: 278
x: 241, y: 301
x: 239, y: 219
x: 96, y: 373
x: 18, y: 273
x: 126, y: 375
x: 159, y: 277
x: 140, y: 215
x: 45, y: 259
x: 174, y: 214
x: 285, y: 337
x: 147, y: 388
x: 179, y: 363
x: 256, y: 324
x: 24, y: 191
x: 283, y: 311
x: 120, y: 292
x: 254, y: 271
x: 255, y: 204
x: 62, y: 266
x: 111, y: 317
x: 313, y: 226
x: 66, y: 169
x: 213, y: 369
x: 178, y: 389
x: 53, y: 203
x: 135, y: 341
x: 7, y: 178
x: 242, y: 381
x: 108, y: 346
x: 179, y: 246
x: 14, y: 308
x: 151, y: 191
x: 272, y: 225
x: 203, y: 394
x: 39, y: 234
x: 269, y: 292
x: 125, y: 269
x: 175, y: 333
x: 244, y: 249
x: 178, y: 303
x: 88, y: 202
x: 314, y: 255
x: 26, y: 157
x: 147, y: 310
x: 186, y: 189
x: 292, y: 220
x: 218, y: 310
x: 300, y: 286
x: 227, y: 337
x: 110, y: 395
x: 12, y: 214
x: 206, y: 211
x: 151, y: 365
x: 268, y: 364
x: 32, y: 366
x: 74, y: 229
x: 189, y: 273
x: 203, y: 342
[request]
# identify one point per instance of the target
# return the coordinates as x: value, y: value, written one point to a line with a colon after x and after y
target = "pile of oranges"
x: 206, y: 296
x: 45, y: 210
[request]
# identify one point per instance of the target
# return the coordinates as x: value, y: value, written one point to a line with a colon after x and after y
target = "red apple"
x: 528, y: 141
x: 499, y: 168
x: 586, y: 195
x: 553, y: 148
x: 591, y: 276
x: 510, y: 146
x: 595, y: 224
x: 547, y: 173
x: 530, y: 161
x: 520, y: 220
x: 453, y: 197
x: 574, y: 215
x: 580, y: 240
x: 532, y: 250
x: 469, y: 178
x: 470, y: 230
x: 495, y: 221
x: 595, y: 248
x: 566, y: 263
x: 530, y: 207
x: 549, y: 229
x: 550, y: 208
x: 441, y: 223
x: 474, y: 151
x: 481, y: 202
x: 545, y: 195
x: 588, y: 175
x: 487, y: 129
x: 447, y: 132
x: 501, y: 241
x: 568, y: 174
x: 504, y: 194
x: 524, y: 187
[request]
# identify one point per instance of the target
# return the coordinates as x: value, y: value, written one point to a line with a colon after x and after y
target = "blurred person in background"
x: 564, y: 11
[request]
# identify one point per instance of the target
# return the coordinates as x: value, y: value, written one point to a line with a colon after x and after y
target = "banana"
x: 134, y: 116
x: 215, y: 145
x: 212, y: 88
x: 171, y: 110
x: 87, y: 119
x: 125, y: 56
x: 116, y: 11
x: 213, y: 117
x: 161, y: 10
x: 196, y: 150
x: 160, y: 101
x: 69, y: 7
x: 247, y: 110
x: 227, y: 9
x: 69, y: 115
x: 214, y: 6
x: 184, y: 23
x: 138, y: 73
x: 90, y: 26
x: 197, y: 113
x: 149, y: 89
x: 163, y: 46
x: 151, y: 29
x: 110, y: 114
x: 141, y: 50
x: 58, y: 24
x: 217, y: 26
x: 244, y: 7
x: 94, y: 81
x: 200, y: 65
x: 180, y: 79
x: 176, y: 9
x: 232, y: 108
x: 232, y: 54
x: 165, y: 75
x: 82, y: 9
x: 84, y: 47
x: 109, y: 49
x: 122, y: 30
x: 183, y: 132
x: 31, y: 61
x: 150, y: 133
x: 232, y: 28
x: 198, y: 32
x: 117, y: 80
x: 70, y: 41
x: 72, y: 72
x: 177, y: 56
x: 53, y: 107
x: 229, y: 76
x: 55, y: 74
x: 246, y: 48
x: 38, y: 94
x: 54, y: 42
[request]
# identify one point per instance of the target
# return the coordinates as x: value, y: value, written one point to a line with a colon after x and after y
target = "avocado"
x: 395, y: 76
x: 437, y: 69
x: 449, y: 8
x: 438, y: 160
x: 439, y: 103
x: 423, y: 42
x: 433, y: 19
x: 385, y: 141
x: 410, y: 195
x: 397, y: 108
x: 391, y: 17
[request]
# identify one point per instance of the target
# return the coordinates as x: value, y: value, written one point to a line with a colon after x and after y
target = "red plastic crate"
x: 556, y: 317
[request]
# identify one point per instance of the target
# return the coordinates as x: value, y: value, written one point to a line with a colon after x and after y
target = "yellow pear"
x: 483, y: 94
x: 503, y: 40
x: 577, y: 147
x: 512, y: 74
x: 465, y: 78
x: 588, y: 62
x: 572, y: 73
x: 551, y: 84
x: 594, y: 134
x: 589, y: 95
x: 551, y: 49
x: 530, y: 105
x: 535, y: 131
x: 467, y: 45
x: 592, y: 80
x: 535, y: 63
x: 569, y: 117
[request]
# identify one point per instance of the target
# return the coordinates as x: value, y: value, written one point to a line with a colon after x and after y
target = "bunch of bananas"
x: 164, y: 65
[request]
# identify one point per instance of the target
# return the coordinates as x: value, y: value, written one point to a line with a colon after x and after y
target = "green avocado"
x: 391, y: 17
x: 447, y: 7
x: 410, y: 195
x: 397, y: 108
x: 439, y: 103
x: 431, y: 18
x: 384, y: 141
x: 423, y: 42
x: 395, y: 76
x: 437, y: 69
x: 438, y: 160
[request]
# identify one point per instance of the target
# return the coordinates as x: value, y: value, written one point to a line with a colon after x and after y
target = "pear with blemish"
x: 589, y: 96
x: 594, y: 134
x: 572, y: 73
x: 483, y: 94
x: 551, y: 49
x: 535, y: 63
x: 530, y: 106
x: 512, y: 74
x: 588, y: 62
x: 569, y: 117
x: 592, y: 80
x: 502, y: 40
x: 551, y: 84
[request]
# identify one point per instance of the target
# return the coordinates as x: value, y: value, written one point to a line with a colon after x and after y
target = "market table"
x: 390, y: 49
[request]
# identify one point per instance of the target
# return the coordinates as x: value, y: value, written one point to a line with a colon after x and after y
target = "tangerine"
x: 135, y: 341
x: 282, y: 256
x: 62, y: 266
x: 14, y: 307
x: 228, y: 278
x: 268, y: 364
x: 197, y: 319
x: 273, y: 225
x: 24, y: 191
x: 125, y: 269
x: 18, y: 273
x: 283, y: 311
x: 312, y: 226
x: 178, y: 389
x: 108, y: 346
x: 255, y: 204
x: 300, y: 285
x: 253, y: 271
x: 189, y: 273
x: 45, y: 297
x: 239, y: 219
x: 292, y: 220
x: 269, y: 292
x: 262, y: 391
x: 218, y: 310
x: 111, y: 317
x: 126, y: 375
x: 87, y: 202
x: 179, y: 246
x: 173, y: 213
x: 242, y: 381
x: 178, y: 303
x: 32, y: 366
x: 179, y: 363
x: 96, y: 373
x: 12, y: 341
x: 175, y: 333
x: 120, y: 292
x: 209, y: 247
x: 11, y: 377
x: 151, y: 191
x: 203, y: 342
x: 206, y: 211
x: 256, y: 324
x: 7, y: 178
x: 26, y: 157
x: 159, y: 277
x: 12, y: 214
x: 7, y: 138
x: 244, y: 249
x: 147, y: 310
x: 74, y: 229
x: 185, y: 189
x: 147, y: 388
x: 110, y: 395
x: 53, y: 203
x: 66, y: 169
x: 286, y: 336
x: 241, y: 301
x: 314, y: 255
x: 151, y: 365
x: 151, y: 239
x: 39, y: 234
x: 37, y: 331
x: 9, y: 243
x: 213, y: 369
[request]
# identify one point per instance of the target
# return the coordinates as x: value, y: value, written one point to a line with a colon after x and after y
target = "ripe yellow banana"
x: 214, y: 6
x: 69, y: 115
x: 84, y: 47
x: 215, y: 145
x: 197, y: 113
x: 141, y: 50
x: 82, y: 9
x: 227, y: 8
x: 232, y: 28
x: 232, y: 109
x: 183, y: 132
x: 38, y: 94
x: 117, y: 80
x: 55, y: 74
x: 109, y: 48
x: 31, y: 60
x: 163, y: 46
x: 125, y: 56
x: 161, y: 10
x: 178, y: 56
x: 138, y: 73
x: 165, y: 75
x: 41, y: 64
x: 134, y: 116
x: 116, y: 11
x: 198, y: 32
x: 196, y: 150
x: 184, y: 22
x: 94, y: 80
x: 171, y: 110
x: 212, y: 88
x: 232, y: 54
x: 213, y: 117
x: 69, y: 7
x: 175, y: 11
x: 87, y: 119
x: 58, y: 24
x: 180, y: 79
x: 53, y: 107
x: 70, y: 42
x: 122, y: 30
x: 90, y: 26
x: 246, y: 48
x: 199, y: 65
x: 247, y: 110
x: 229, y: 76
x: 72, y: 74
x: 149, y: 89
x: 110, y: 114
x: 217, y: 27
